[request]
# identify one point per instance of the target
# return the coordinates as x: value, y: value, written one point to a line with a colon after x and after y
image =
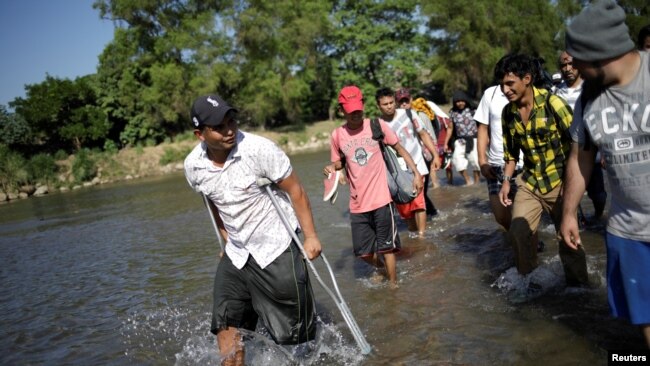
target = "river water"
x: 122, y: 274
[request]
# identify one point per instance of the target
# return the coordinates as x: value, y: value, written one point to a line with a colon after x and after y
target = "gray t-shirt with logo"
x: 618, y: 123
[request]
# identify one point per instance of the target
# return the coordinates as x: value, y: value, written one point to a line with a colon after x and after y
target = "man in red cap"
x: 374, y: 232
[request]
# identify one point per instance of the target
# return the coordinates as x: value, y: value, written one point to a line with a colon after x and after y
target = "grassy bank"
x: 100, y: 167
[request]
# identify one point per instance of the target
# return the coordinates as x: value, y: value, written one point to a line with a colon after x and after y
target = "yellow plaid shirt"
x: 544, y: 140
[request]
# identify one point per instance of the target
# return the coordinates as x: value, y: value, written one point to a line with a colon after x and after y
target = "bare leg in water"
x: 389, y: 265
x: 231, y: 348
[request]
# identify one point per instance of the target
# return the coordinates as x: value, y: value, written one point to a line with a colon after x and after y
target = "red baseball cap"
x: 351, y: 99
x: 402, y: 93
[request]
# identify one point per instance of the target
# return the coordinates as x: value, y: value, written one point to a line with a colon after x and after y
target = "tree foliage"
x: 376, y: 44
x: 63, y: 114
x: 14, y: 130
x: 471, y: 36
x: 279, y: 62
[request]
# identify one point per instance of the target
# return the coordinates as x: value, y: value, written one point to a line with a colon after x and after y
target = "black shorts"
x: 374, y: 232
x: 280, y: 294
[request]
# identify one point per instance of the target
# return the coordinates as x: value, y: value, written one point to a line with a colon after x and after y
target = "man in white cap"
x: 262, y: 273
x: 613, y: 116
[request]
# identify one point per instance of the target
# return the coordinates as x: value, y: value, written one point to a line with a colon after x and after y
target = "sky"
x: 62, y: 38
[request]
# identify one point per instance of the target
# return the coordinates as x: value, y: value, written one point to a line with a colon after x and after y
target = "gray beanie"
x: 598, y: 33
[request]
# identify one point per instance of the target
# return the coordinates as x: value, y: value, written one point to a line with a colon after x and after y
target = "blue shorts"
x: 628, y: 278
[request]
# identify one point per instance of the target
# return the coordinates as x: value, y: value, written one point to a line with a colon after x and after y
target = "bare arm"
x: 431, y: 146
x: 482, y: 142
x: 450, y: 131
x: 417, y: 178
x: 576, y: 177
x: 302, y: 207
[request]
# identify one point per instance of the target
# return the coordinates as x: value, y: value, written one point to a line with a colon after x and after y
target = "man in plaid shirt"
x: 540, y: 131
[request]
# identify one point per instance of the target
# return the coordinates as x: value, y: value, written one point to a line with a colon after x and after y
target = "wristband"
x: 507, y: 178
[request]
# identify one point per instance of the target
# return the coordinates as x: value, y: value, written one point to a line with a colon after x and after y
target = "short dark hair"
x: 518, y: 64
x: 384, y: 92
x: 643, y: 32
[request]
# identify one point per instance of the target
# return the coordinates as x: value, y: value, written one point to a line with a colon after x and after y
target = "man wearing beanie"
x: 262, y: 273
x: 613, y: 117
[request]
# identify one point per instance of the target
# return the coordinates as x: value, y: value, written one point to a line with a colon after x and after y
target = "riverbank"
x: 138, y: 162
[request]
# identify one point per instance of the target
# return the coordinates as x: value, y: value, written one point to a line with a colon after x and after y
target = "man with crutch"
x: 262, y: 273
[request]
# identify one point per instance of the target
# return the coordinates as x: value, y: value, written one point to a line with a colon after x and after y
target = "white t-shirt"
x: 408, y: 136
x: 253, y: 225
x: 571, y: 95
x: 488, y: 113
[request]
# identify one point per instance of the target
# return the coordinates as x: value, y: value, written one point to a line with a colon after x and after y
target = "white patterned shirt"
x: 408, y: 134
x: 252, y: 223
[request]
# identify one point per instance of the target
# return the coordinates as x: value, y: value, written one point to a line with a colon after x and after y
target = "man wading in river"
x: 537, y: 124
x: 262, y: 273
x: 612, y: 117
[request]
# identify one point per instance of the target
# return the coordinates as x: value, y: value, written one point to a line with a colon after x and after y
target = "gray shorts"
x: 280, y: 294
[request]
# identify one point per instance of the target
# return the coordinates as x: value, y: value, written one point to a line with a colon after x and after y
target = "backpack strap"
x: 335, y: 136
x: 409, y: 113
x: 377, y: 133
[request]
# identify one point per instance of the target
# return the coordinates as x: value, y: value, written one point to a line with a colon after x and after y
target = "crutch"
x: 338, y: 298
x: 214, y: 222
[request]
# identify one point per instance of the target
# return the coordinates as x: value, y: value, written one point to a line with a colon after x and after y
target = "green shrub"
x: 110, y: 147
x: 13, y: 169
x: 171, y: 155
x: 83, y: 166
x: 185, y: 136
x: 60, y: 155
x: 42, y: 168
x: 283, y: 140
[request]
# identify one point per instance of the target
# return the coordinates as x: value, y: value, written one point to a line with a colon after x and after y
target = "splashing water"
x: 154, y: 332
x: 518, y: 288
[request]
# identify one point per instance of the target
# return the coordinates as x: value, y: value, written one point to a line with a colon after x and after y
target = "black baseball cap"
x: 209, y: 110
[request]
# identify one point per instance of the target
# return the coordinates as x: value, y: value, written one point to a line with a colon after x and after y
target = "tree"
x: 469, y: 37
x: 63, y: 114
x: 14, y: 131
x: 279, y: 55
x: 146, y: 72
x: 377, y: 44
x: 638, y: 15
